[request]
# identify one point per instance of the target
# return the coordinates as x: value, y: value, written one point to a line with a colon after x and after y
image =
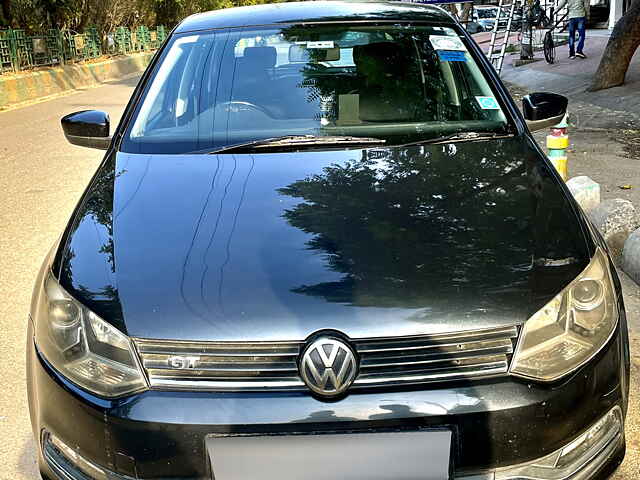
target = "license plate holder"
x: 398, y: 455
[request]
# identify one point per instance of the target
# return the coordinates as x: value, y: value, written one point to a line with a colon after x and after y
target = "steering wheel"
x: 243, y: 105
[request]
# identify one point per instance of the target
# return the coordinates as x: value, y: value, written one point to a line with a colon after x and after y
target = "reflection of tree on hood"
x: 398, y: 225
x: 98, y: 208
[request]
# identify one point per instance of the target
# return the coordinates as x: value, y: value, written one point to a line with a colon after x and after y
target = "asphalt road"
x: 42, y: 179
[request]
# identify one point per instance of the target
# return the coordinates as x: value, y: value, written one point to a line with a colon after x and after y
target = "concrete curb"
x: 616, y: 219
x: 631, y: 256
x: 25, y: 87
x: 585, y: 191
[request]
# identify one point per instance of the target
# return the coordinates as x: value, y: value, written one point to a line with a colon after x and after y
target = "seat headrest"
x: 388, y: 56
x: 260, y: 57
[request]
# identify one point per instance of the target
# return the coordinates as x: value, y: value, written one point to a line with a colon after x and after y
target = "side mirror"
x: 543, y: 110
x: 88, y: 128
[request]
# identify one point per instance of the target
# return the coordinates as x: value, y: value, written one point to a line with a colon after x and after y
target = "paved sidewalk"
x: 483, y: 39
x: 611, y: 157
x: 614, y: 108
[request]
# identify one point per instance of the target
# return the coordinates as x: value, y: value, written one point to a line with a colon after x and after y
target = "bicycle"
x: 548, y: 45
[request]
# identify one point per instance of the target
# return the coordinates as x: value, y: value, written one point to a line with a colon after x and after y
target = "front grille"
x: 427, y: 358
x: 221, y: 365
x: 239, y: 366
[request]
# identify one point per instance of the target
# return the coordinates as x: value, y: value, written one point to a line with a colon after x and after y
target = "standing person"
x: 577, y: 21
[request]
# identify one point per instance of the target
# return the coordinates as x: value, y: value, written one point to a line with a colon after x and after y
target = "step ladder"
x: 500, y: 38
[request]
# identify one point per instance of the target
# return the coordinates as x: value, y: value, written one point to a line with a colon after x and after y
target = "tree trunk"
x: 6, y: 12
x: 451, y: 7
x: 81, y: 24
x: 466, y: 12
x: 622, y: 44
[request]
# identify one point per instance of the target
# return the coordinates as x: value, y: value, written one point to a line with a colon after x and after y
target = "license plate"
x: 414, y: 455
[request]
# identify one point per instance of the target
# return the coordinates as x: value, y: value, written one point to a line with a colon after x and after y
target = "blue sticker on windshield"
x: 451, y: 56
x: 488, y: 103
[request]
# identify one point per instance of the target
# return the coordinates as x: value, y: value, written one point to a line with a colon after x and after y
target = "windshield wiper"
x: 296, y: 141
x: 460, y: 137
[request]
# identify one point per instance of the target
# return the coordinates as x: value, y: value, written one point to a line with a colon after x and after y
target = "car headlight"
x: 84, y: 348
x: 569, y: 330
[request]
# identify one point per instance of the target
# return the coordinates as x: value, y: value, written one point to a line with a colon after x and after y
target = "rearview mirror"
x: 543, y: 110
x: 88, y: 128
x: 300, y: 54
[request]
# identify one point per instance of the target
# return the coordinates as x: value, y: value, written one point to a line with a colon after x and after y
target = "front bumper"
x: 495, y: 424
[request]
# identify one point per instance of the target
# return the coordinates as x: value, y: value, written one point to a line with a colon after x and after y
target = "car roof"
x: 313, y: 12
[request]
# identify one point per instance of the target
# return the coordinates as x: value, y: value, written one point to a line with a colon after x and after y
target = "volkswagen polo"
x: 323, y: 243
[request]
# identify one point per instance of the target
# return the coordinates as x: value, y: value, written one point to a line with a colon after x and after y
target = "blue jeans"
x: 581, y: 25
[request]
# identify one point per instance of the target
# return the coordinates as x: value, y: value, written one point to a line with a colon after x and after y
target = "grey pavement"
x: 609, y: 156
x: 602, y: 155
x: 43, y: 177
x: 617, y: 107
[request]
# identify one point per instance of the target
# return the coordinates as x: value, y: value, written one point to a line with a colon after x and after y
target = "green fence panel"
x: 123, y: 40
x: 94, y: 47
x: 76, y: 47
x: 19, y: 51
x: 68, y: 46
x: 7, y: 53
x: 44, y: 49
x: 142, y: 39
x: 24, y: 51
x: 54, y: 45
x: 162, y: 34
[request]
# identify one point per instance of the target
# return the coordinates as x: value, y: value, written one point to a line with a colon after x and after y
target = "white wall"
x: 615, y: 12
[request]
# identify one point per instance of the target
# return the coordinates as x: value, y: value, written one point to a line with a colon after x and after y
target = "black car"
x: 473, y: 27
x: 323, y: 243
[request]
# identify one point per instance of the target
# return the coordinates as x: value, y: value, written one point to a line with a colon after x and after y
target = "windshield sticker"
x: 443, y: 42
x: 488, y: 103
x: 322, y: 44
x: 451, y: 56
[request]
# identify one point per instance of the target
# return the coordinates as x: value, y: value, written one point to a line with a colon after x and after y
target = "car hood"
x: 277, y: 246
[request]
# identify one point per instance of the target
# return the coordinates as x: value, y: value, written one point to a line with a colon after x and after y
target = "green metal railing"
x: 19, y: 51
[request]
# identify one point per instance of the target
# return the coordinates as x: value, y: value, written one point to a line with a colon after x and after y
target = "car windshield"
x: 395, y: 83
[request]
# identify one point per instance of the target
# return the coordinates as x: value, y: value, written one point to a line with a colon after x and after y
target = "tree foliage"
x: 38, y: 15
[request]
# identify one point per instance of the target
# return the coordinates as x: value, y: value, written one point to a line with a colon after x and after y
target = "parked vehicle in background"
x: 486, y: 15
x: 516, y: 22
x: 473, y: 27
x: 324, y: 243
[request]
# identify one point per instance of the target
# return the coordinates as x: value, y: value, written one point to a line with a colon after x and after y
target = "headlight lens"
x: 84, y: 348
x: 571, y: 328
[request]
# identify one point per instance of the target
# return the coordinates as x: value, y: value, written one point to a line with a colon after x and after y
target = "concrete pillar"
x: 615, y: 12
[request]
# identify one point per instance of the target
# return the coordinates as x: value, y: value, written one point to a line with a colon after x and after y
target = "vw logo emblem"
x: 328, y: 366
